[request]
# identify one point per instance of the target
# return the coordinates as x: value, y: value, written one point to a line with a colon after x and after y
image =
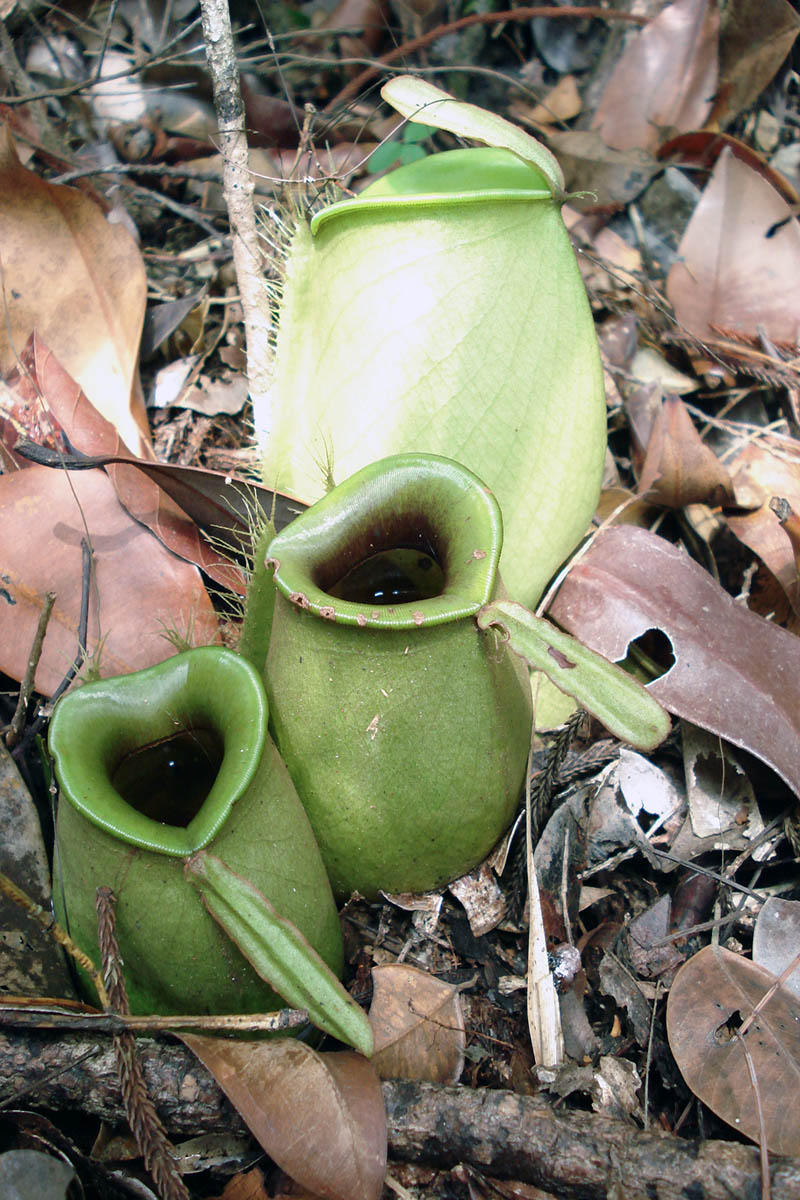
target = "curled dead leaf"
x: 671, y: 69
x: 679, y: 468
x: 320, y: 1117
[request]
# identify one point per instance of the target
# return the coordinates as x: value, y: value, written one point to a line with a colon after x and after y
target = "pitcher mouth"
x: 199, y: 717
x: 413, y: 539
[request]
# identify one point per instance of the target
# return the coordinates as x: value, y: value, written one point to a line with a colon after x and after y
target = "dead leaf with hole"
x: 42, y: 383
x: 320, y: 1117
x: 739, y: 274
x: 670, y: 67
x: 712, y: 994
x: 418, y: 1025
x: 79, y: 282
x: 760, y: 472
x: 776, y: 940
x: 734, y: 673
x: 679, y: 468
x: 141, y: 590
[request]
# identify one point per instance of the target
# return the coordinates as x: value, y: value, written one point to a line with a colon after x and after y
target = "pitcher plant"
x: 396, y: 702
x: 169, y: 778
x: 442, y: 310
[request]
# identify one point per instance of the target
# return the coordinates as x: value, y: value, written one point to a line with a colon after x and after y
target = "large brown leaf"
x: 713, y: 993
x: 731, y: 276
x: 734, y: 673
x: 77, y: 280
x: 141, y: 589
x: 664, y: 80
x: 41, y: 383
x: 320, y: 1117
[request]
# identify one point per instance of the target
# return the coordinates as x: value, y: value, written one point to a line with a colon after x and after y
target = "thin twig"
x: 151, y: 1137
x: 14, y: 732
x: 87, y: 562
x: 19, y: 1012
x: 766, y: 1184
x: 238, y: 186
x: 492, y: 18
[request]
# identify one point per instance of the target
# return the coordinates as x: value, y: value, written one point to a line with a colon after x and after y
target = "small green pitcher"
x: 153, y: 767
x: 404, y: 726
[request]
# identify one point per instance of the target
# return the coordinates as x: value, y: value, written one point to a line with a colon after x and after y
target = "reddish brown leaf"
x: 732, y: 276
x: 141, y: 592
x: 77, y: 280
x: 418, y: 1025
x: 320, y: 1117
x: 758, y: 475
x: 679, y: 468
x: 711, y: 996
x: 665, y: 79
x: 703, y: 147
x: 41, y: 382
x: 734, y: 673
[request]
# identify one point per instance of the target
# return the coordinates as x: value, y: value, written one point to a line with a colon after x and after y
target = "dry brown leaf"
x: 562, y: 103
x: 679, y: 468
x: 79, y: 282
x: 758, y: 475
x: 734, y: 673
x: 320, y: 1117
x: 664, y: 80
x: 732, y: 277
x: 42, y: 383
x: 141, y: 591
x: 418, y: 1025
x: 755, y: 37
x: 712, y: 994
x: 611, y: 178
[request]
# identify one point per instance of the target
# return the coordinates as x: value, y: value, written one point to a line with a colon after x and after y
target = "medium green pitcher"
x: 153, y: 767
x: 404, y: 726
